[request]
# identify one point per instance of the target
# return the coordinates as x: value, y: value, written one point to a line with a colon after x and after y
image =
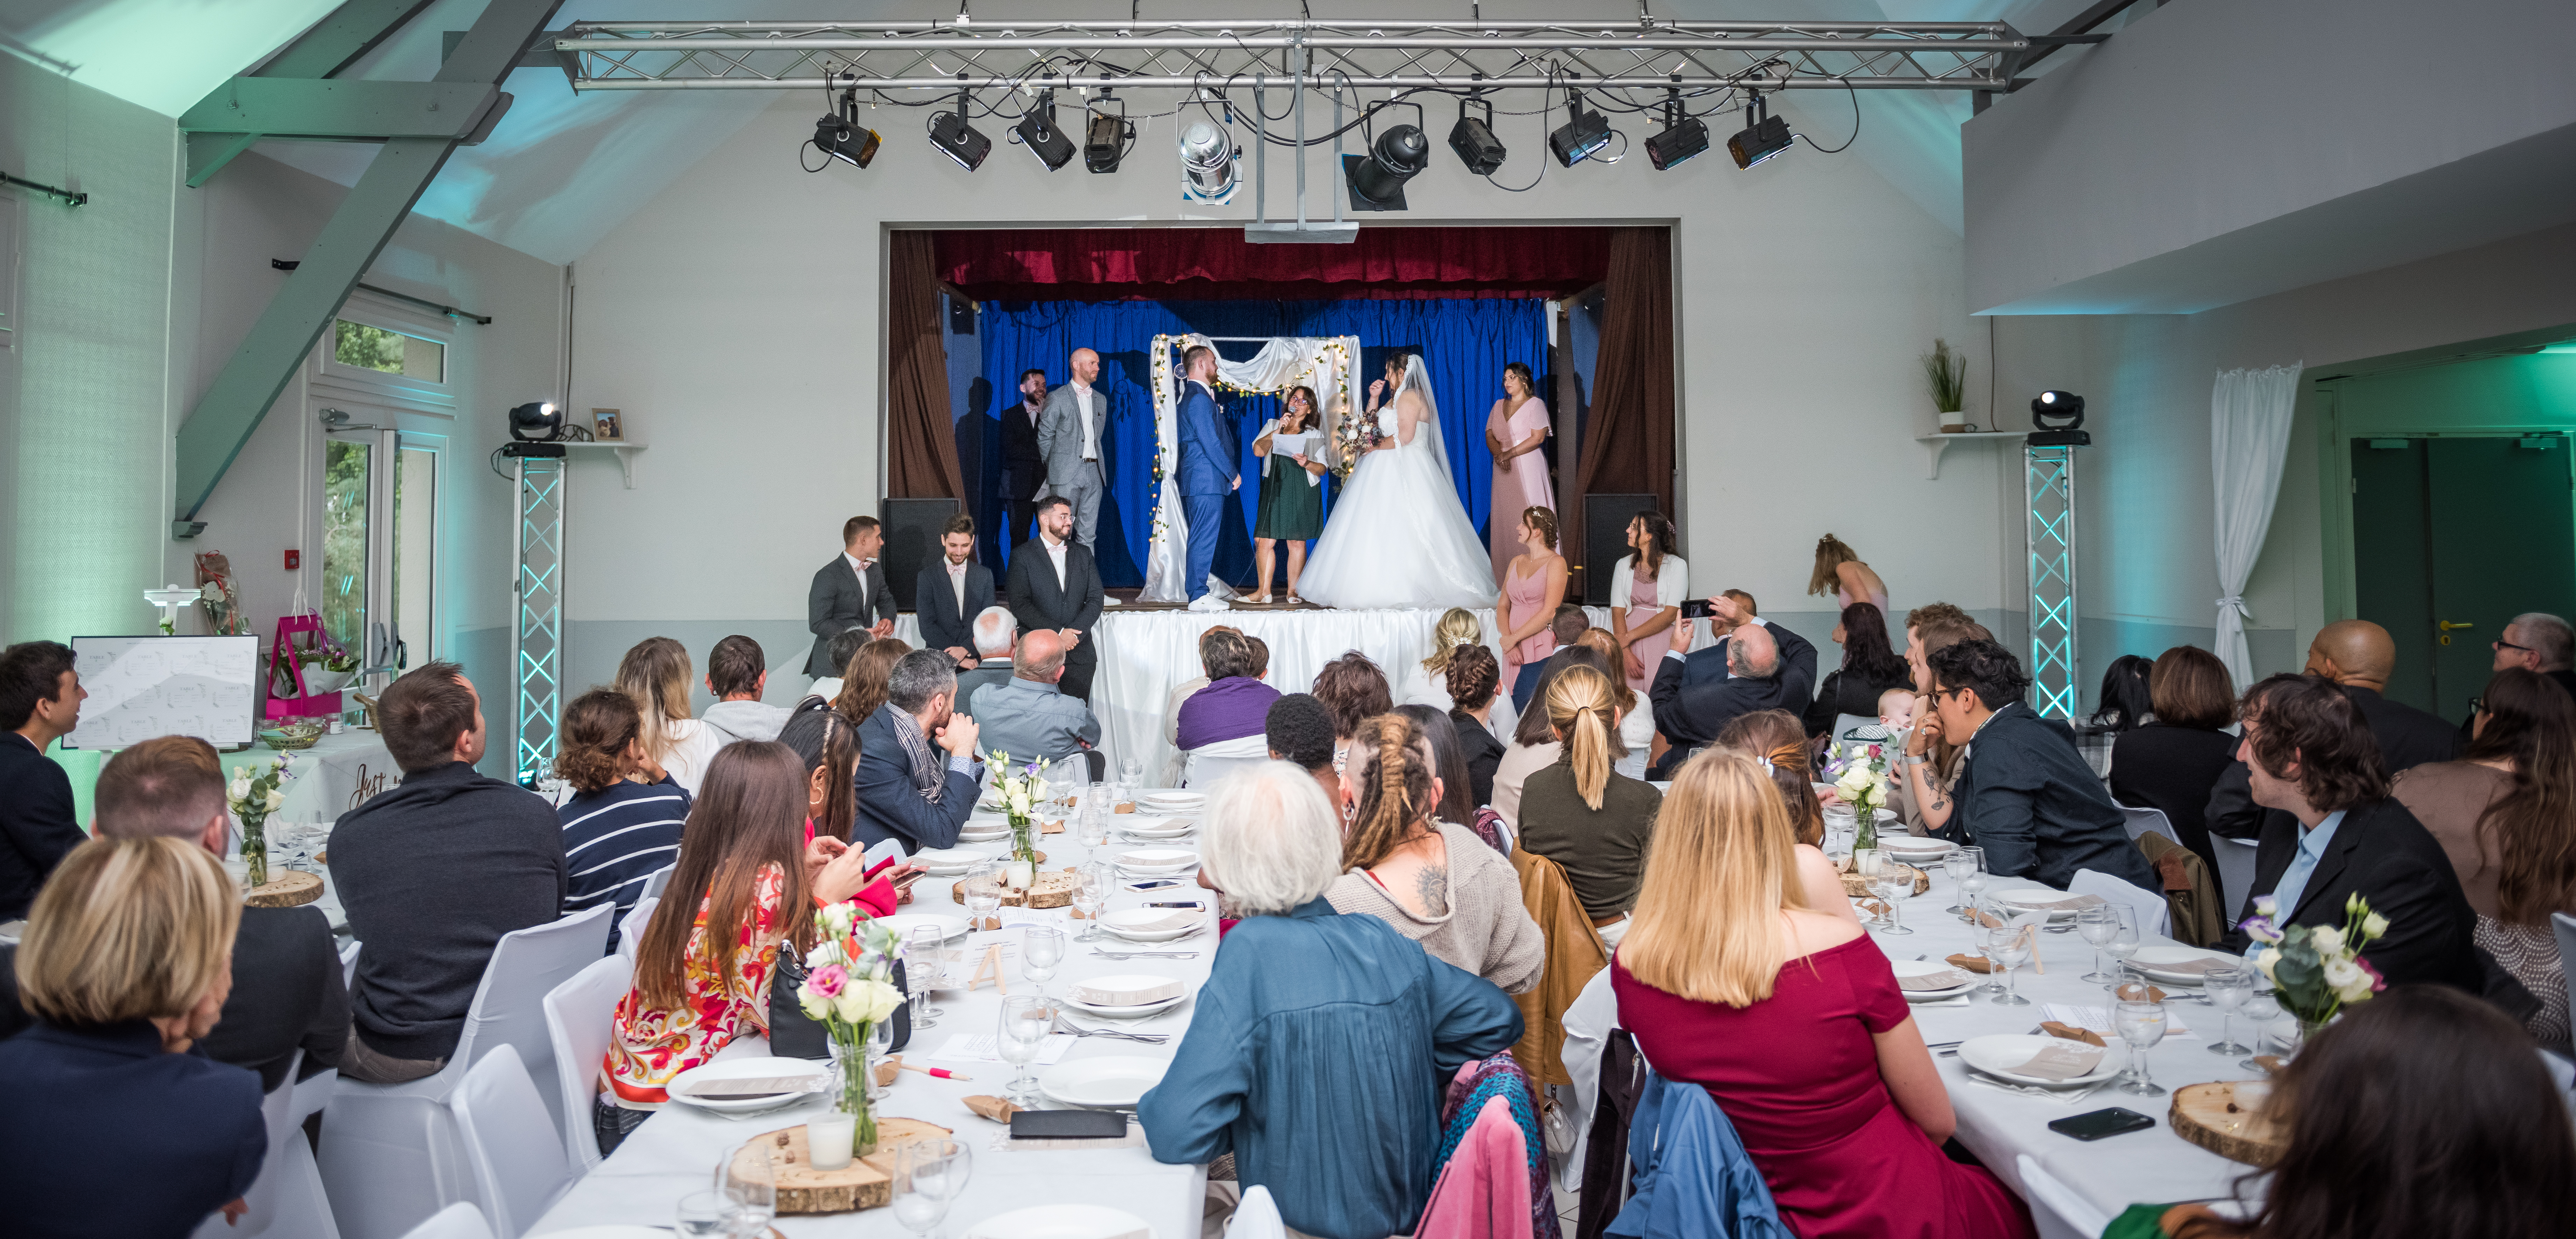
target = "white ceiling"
x: 562, y: 170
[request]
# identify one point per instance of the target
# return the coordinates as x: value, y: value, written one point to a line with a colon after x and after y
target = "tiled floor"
x: 1565, y: 1206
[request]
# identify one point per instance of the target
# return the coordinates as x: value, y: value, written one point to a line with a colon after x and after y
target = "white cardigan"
x: 1672, y: 585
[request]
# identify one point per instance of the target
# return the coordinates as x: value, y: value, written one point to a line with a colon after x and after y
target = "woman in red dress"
x: 1791, y: 1018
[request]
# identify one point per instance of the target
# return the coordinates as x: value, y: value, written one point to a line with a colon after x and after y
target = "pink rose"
x: 827, y: 980
x: 1873, y: 751
x: 2378, y: 983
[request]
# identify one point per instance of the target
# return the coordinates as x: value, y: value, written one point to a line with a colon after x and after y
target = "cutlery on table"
x: 1144, y: 954
x: 1068, y: 1027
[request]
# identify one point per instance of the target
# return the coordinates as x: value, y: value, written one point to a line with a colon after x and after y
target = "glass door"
x: 414, y: 574
x: 380, y: 547
x: 348, y: 490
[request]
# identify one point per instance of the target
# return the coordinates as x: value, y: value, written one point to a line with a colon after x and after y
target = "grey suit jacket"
x: 1060, y: 434
x: 834, y: 606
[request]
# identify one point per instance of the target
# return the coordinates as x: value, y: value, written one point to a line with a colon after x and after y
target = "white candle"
x: 1019, y: 874
x: 828, y: 1137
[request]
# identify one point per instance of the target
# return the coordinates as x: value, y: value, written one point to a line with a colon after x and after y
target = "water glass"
x: 747, y: 1180
x: 2097, y: 925
x: 925, y: 968
x: 2262, y: 1007
x: 1895, y: 883
x: 1959, y: 864
x: 1093, y: 829
x: 2009, y: 948
x: 2123, y: 943
x: 1132, y: 772
x: 983, y: 892
x: 880, y: 1043
x: 928, y: 1175
x: 1041, y: 949
x: 704, y: 1215
x: 1026, y: 1021
x: 1091, y: 898
x: 1098, y: 795
x: 1972, y: 883
x: 2142, y: 1025
x: 2227, y: 989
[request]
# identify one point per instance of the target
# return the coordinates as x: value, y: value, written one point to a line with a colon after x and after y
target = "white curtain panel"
x: 1325, y: 363
x: 2249, y: 441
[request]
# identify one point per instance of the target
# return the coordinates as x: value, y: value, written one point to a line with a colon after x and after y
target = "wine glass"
x: 925, y: 968
x: 1097, y: 796
x: 704, y: 1215
x: 1041, y: 949
x: 1026, y: 1021
x: 747, y: 1179
x: 1091, y: 898
x: 1973, y: 882
x: 2262, y: 1007
x: 2097, y: 925
x: 2228, y: 989
x: 983, y: 892
x: 2142, y: 1025
x: 1132, y: 772
x: 2009, y: 946
x: 2123, y: 943
x: 1958, y: 864
x: 928, y: 1175
x: 880, y: 1043
x: 1895, y: 882
x: 1867, y: 862
x: 1094, y: 828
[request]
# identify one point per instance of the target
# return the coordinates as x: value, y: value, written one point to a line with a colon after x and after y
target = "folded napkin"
x: 2068, y: 1097
x: 2098, y: 1019
x: 1140, y: 860
x: 2061, y: 1062
x: 1127, y: 996
x: 2072, y: 903
x: 1177, y: 919
x: 763, y: 1086
x: 2071, y: 1032
x: 1951, y: 979
x: 2193, y: 967
x: 1960, y: 1000
x: 1972, y: 963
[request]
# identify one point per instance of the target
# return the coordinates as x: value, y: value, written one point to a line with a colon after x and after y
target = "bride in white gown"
x: 1397, y: 536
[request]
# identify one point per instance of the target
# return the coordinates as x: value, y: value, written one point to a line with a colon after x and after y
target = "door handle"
x: 2447, y: 626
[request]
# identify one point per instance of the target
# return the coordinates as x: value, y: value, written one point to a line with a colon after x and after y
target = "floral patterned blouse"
x: 650, y: 1046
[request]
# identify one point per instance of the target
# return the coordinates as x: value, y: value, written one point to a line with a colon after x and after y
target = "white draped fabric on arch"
x: 1327, y: 364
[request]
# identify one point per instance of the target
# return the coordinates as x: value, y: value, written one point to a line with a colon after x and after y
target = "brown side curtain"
x: 920, y: 439
x: 1628, y: 440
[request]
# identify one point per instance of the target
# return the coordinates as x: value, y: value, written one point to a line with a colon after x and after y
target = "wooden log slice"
x: 1050, y: 890
x: 1857, y: 886
x: 866, y: 1183
x: 292, y: 889
x: 2213, y: 1117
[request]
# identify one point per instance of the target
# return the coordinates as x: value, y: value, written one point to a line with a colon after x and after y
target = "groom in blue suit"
x: 1208, y: 473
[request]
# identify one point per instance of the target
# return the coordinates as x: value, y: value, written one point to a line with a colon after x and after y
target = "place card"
x: 1949, y: 979
x: 2060, y: 1062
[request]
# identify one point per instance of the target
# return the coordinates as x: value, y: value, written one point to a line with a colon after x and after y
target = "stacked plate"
x: 1153, y: 924
x: 737, y: 1085
x: 951, y: 928
x: 1117, y: 1082
x: 1157, y: 862
x: 1062, y: 1222
x: 1914, y: 850
x: 1126, y: 1010
x: 1181, y: 802
x: 2001, y: 1056
x: 1142, y: 827
x: 948, y: 862
x: 2038, y: 899
x: 984, y: 828
x: 1928, y: 968
x: 2158, y: 963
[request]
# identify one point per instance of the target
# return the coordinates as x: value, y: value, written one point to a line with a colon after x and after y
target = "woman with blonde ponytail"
x: 1593, y: 821
x: 1434, y: 881
x: 1792, y: 1020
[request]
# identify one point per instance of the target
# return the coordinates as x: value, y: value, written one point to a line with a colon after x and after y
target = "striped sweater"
x: 615, y: 838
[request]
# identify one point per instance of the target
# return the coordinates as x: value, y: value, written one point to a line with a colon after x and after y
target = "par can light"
x: 1377, y: 179
x: 1764, y: 135
x: 1037, y: 131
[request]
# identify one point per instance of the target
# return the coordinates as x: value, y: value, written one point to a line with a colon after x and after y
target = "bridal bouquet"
x: 1021, y: 793
x: 2318, y: 970
x: 1353, y: 436
x: 849, y: 990
x: 253, y: 794
x: 1859, y: 772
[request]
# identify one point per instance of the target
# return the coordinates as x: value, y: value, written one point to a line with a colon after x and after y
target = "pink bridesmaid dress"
x: 1519, y: 483
x: 1642, y: 605
x: 1528, y: 594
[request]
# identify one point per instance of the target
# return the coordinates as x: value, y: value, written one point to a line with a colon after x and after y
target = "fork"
x: 1144, y: 954
x: 1064, y: 1025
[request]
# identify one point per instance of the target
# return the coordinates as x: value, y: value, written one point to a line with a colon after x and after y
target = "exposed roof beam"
x: 292, y: 107
x: 332, y: 45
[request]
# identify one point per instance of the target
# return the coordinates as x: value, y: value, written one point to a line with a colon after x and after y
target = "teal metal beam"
x: 355, y: 108
x: 336, y: 42
x: 232, y: 408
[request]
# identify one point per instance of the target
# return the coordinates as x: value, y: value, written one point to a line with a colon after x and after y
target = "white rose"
x: 2265, y: 961
x: 815, y: 1006
x: 239, y: 787
x: 276, y: 800
x: 2328, y: 941
x: 2341, y: 973
x: 881, y: 999
x: 1854, y: 781
x: 2374, y: 925
x: 1019, y: 802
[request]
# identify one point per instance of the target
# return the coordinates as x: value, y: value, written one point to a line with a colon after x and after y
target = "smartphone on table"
x: 2113, y: 1121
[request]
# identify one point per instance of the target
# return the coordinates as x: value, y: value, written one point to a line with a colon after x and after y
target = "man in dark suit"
x: 1567, y: 624
x: 1732, y: 610
x: 1691, y: 715
x: 849, y: 592
x: 1054, y: 584
x: 2025, y: 794
x: 2339, y: 834
x: 1209, y: 475
x: 1023, y: 465
x: 40, y: 701
x: 916, y: 780
x: 2360, y: 656
x: 951, y: 591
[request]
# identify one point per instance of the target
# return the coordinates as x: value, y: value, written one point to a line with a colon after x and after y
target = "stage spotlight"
x: 2057, y: 410
x: 1106, y: 137
x: 537, y: 421
x: 842, y: 137
x: 1580, y: 136
x: 1207, y: 164
x: 1037, y: 132
x: 1684, y: 135
x: 1473, y: 138
x: 1764, y: 135
x: 1377, y: 178
x: 959, y: 140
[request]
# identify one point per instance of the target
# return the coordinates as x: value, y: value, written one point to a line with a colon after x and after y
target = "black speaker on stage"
x: 1605, y: 540
x: 911, y: 540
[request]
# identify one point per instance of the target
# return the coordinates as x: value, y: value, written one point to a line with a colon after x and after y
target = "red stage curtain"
x: 920, y: 438
x: 1628, y: 441
x: 1216, y: 264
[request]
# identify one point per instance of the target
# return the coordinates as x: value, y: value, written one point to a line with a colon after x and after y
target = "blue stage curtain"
x: 1465, y: 341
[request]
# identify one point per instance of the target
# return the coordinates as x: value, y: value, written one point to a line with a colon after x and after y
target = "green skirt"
x: 1290, y: 509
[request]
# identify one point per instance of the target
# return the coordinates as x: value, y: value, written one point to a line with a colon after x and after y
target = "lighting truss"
x: 536, y: 637
x: 2048, y: 482
x: 940, y: 55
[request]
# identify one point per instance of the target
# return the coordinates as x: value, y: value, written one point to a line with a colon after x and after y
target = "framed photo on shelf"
x: 607, y: 425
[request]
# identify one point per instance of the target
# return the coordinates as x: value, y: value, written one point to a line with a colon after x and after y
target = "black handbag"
x: 794, y: 1034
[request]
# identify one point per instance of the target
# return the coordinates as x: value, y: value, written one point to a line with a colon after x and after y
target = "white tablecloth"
x: 337, y: 774
x: 677, y: 1150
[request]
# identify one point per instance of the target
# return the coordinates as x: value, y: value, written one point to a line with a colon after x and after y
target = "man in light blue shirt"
x: 1029, y: 717
x: 2313, y: 842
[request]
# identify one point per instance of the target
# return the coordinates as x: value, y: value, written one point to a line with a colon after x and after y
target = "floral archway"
x: 1328, y: 364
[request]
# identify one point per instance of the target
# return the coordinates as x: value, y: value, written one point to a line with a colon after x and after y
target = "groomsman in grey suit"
x: 849, y: 592
x: 1070, y: 434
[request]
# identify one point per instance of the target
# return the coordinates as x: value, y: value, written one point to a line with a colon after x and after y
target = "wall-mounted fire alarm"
x: 294, y: 559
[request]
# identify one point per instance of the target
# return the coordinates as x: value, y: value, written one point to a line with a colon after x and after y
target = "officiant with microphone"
x: 1291, y: 448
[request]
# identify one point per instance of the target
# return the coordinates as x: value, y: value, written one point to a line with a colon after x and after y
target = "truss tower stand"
x: 536, y: 629
x: 2048, y: 484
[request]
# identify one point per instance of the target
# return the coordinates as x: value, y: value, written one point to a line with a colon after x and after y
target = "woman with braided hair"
x: 1434, y: 881
x: 1777, y: 741
x: 1593, y: 821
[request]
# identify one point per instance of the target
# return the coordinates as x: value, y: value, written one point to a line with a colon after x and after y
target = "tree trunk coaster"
x: 2216, y: 1118
x: 1857, y: 886
x: 866, y: 1183
x: 292, y: 889
x: 1050, y: 890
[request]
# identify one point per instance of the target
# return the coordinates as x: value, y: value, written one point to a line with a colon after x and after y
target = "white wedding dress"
x: 1397, y: 536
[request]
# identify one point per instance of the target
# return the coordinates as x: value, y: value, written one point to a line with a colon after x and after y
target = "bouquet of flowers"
x: 849, y: 990
x: 2317, y: 970
x: 253, y: 794
x: 1022, y: 791
x: 1859, y: 771
x: 1353, y: 436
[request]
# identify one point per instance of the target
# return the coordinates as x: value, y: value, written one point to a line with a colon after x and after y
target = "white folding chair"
x: 390, y: 1152
x: 2140, y: 821
x: 885, y: 850
x: 2236, y: 877
x: 457, y: 1221
x: 1256, y: 1216
x: 349, y: 962
x: 518, y: 1168
x: 2059, y: 1211
x: 2155, y: 916
x: 659, y: 881
x: 286, y: 1199
x: 630, y: 933
x: 579, y: 1018
x: 1207, y: 763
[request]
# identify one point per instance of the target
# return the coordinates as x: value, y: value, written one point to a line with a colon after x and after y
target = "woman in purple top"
x: 1235, y: 704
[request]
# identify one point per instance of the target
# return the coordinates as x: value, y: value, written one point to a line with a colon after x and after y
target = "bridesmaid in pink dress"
x: 1533, y: 587
x: 1513, y: 432
x: 1658, y: 581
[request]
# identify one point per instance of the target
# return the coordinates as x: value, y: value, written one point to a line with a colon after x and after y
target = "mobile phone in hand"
x: 905, y: 882
x: 2115, y: 1120
x: 1695, y: 608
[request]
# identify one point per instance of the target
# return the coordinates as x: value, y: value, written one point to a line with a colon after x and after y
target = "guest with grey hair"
x: 918, y: 761
x: 1322, y: 1044
x: 2539, y: 641
x: 994, y: 630
x: 1029, y: 717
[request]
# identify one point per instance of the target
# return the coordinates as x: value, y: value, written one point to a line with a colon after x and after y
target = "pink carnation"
x: 826, y: 981
x: 2378, y: 983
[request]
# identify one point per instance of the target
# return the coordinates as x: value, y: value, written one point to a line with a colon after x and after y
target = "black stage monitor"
x: 911, y: 541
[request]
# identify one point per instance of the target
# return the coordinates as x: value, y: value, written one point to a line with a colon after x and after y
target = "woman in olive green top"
x: 1292, y: 489
x: 1593, y: 821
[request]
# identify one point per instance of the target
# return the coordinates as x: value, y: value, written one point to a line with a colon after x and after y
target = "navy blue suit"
x: 1207, y: 479
x: 890, y: 804
x: 193, y: 1124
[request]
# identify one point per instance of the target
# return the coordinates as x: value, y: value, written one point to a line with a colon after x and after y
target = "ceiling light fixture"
x: 1764, y: 135
x: 1207, y: 164
x: 1037, y: 131
x: 957, y: 139
x: 1377, y: 178
x: 1580, y: 136
x: 840, y: 136
x: 1107, y: 136
x: 1684, y: 135
x: 1473, y: 138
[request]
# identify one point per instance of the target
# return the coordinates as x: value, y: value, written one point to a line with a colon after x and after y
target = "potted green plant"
x: 1945, y: 375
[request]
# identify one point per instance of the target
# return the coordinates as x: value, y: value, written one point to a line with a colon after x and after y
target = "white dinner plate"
x: 1172, y: 802
x: 1117, y: 923
x: 1151, y: 830
x: 1911, y: 848
x: 1137, y: 1012
x: 2148, y: 957
x: 947, y: 862
x: 2027, y: 899
x: 1157, y: 860
x: 818, y: 1075
x: 1925, y: 968
x: 610, y: 1232
x: 1116, y: 1082
x: 1997, y: 1055
x: 951, y: 928
x: 1062, y: 1222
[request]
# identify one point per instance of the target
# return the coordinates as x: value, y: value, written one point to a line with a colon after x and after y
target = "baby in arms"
x: 1896, y: 709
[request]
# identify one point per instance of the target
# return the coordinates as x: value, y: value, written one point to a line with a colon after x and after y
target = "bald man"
x: 1691, y: 715
x: 1030, y: 717
x: 1070, y: 433
x: 2359, y: 656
